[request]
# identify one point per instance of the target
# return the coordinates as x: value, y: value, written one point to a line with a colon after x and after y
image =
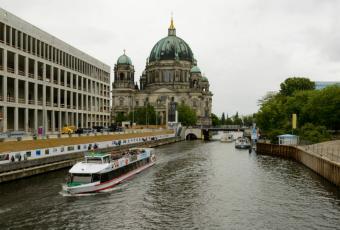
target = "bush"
x: 314, y: 133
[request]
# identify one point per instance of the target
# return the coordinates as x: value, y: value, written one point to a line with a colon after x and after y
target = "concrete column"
x: 36, y: 93
x: 59, y: 121
x: 10, y: 36
x: 16, y: 63
x: 26, y: 92
x: 77, y: 101
x: 35, y: 69
x: 44, y: 95
x: 4, y: 58
x: 65, y: 98
x: 44, y: 71
x: 16, y: 118
x: 16, y: 89
x: 26, y: 120
x: 52, y: 73
x: 4, y: 118
x: 16, y: 39
x: 58, y: 77
x: 71, y: 99
x: 52, y: 96
x: 59, y: 97
x: 26, y: 66
x: 36, y: 120
x: 53, y: 120
x: 45, y: 120
x: 4, y: 88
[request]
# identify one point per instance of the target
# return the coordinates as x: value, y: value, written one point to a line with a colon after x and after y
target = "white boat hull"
x: 97, y: 186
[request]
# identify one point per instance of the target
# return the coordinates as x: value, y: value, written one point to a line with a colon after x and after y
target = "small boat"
x: 242, y: 143
x: 101, y: 171
x: 227, y: 137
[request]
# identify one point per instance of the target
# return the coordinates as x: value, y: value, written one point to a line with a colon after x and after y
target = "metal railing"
x: 332, y: 153
x: 10, y: 70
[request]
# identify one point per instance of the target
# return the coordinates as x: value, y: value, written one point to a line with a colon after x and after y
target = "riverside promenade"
x: 26, y: 158
x: 322, y: 158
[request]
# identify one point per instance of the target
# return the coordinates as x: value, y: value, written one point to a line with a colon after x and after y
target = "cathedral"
x: 171, y: 77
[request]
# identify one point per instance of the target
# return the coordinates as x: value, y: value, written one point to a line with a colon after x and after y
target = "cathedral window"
x: 121, y: 101
x: 121, y: 76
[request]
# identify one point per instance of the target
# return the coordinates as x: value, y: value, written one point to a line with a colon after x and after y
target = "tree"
x: 223, y: 119
x: 215, y: 120
x: 248, y: 120
x: 228, y: 121
x: 144, y: 115
x: 186, y: 115
x: 290, y: 85
x: 120, y: 117
x: 237, y: 120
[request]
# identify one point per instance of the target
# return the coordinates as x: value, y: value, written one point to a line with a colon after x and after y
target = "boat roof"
x: 87, y: 168
x: 96, y: 154
x: 287, y: 135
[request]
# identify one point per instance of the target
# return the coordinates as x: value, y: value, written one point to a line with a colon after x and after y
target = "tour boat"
x: 242, y: 143
x: 227, y: 137
x: 100, y: 171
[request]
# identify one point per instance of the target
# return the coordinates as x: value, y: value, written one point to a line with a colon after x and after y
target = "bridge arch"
x: 191, y: 136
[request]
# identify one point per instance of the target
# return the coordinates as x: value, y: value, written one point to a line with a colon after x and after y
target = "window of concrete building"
x: 79, y: 82
x: 55, y: 97
x: 40, y: 70
x: 48, y: 95
x: 1, y: 59
x: 24, y: 42
x: 34, y: 46
x: 21, y: 65
x: 13, y: 37
x: 55, y: 75
x: 8, y: 37
x: 62, y: 77
x: 19, y: 40
x: 2, y: 32
x: 74, y: 81
x: 53, y: 54
x: 68, y: 79
x: 42, y: 53
x: 31, y: 67
x: 47, y: 52
x: 29, y: 46
x: 38, y: 48
x: 21, y: 92
x: 40, y: 94
x: 64, y: 59
x: 31, y: 93
x: 50, y: 53
x: 10, y: 62
x: 48, y: 73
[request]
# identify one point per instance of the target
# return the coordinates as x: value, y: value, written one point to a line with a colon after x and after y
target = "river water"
x: 194, y: 185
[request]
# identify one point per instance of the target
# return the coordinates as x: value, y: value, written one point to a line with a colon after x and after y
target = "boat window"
x: 81, y: 178
x: 93, y: 160
x: 95, y: 177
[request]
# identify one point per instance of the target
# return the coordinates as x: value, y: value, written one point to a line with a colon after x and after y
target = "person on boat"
x: 12, y: 159
x: 95, y: 146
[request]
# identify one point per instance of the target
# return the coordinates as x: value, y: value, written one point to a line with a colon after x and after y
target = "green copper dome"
x: 204, y: 79
x: 124, y: 59
x: 195, y: 69
x: 171, y: 48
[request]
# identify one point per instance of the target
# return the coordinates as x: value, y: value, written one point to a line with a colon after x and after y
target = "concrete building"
x: 171, y: 77
x: 47, y: 83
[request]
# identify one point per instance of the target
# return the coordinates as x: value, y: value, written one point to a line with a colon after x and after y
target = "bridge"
x: 205, y: 132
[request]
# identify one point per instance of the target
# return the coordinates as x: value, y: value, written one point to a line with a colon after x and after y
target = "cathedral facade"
x: 171, y: 77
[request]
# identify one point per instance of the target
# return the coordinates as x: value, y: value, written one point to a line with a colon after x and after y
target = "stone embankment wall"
x: 17, y: 170
x: 321, y: 165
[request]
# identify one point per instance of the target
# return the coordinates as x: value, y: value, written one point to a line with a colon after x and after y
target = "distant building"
x: 171, y: 77
x: 324, y: 84
x: 45, y: 82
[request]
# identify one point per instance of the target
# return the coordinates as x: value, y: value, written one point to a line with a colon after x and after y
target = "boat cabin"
x: 98, y: 158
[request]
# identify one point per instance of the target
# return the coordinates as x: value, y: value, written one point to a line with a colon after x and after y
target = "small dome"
x: 204, y: 79
x: 195, y: 69
x: 124, y: 60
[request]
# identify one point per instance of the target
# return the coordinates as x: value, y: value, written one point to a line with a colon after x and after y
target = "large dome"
x: 171, y: 48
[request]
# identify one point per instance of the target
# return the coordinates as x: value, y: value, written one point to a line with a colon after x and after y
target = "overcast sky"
x: 245, y: 48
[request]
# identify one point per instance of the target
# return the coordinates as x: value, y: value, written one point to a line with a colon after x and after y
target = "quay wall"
x: 321, y: 165
x: 22, y: 169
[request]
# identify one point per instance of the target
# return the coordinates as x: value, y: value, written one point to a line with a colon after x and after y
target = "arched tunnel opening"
x: 191, y: 136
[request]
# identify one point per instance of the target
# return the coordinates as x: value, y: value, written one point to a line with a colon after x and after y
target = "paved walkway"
x: 329, y: 150
x: 38, y: 144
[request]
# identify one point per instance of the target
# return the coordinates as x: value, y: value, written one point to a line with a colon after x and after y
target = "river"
x: 194, y: 185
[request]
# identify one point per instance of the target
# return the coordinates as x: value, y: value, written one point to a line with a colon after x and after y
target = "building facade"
x: 171, y: 77
x: 47, y: 83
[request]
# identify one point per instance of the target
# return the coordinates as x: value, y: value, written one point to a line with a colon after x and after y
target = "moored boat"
x: 99, y: 171
x: 227, y: 137
x: 242, y: 143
